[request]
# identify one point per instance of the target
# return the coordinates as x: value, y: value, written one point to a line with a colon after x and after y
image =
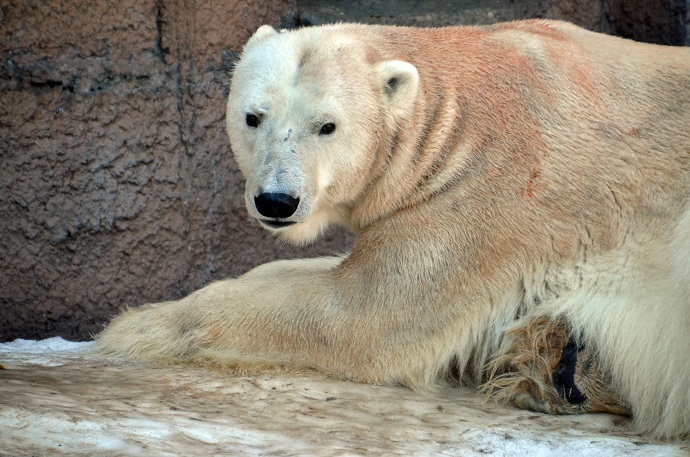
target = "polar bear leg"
x: 290, y: 314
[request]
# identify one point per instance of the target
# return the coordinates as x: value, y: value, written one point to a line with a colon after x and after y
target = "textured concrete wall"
x: 654, y: 21
x: 117, y: 184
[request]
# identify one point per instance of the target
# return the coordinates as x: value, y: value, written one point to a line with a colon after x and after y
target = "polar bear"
x: 506, y: 181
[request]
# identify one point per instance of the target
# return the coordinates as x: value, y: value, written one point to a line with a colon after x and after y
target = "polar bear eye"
x: 327, y: 129
x: 252, y: 120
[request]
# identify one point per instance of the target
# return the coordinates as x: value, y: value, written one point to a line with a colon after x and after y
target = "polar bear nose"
x: 279, y: 205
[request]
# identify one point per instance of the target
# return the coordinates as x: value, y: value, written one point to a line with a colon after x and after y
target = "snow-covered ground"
x: 57, y: 398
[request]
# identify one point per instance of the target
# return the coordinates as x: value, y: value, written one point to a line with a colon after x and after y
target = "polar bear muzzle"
x: 276, y: 206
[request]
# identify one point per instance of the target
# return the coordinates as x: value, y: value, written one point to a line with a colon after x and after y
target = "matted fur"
x: 514, y: 171
x: 523, y: 374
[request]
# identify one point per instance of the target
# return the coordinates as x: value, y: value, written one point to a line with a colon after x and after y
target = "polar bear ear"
x: 400, y: 82
x: 261, y: 33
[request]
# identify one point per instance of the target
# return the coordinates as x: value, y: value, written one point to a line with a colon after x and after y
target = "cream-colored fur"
x: 492, y: 175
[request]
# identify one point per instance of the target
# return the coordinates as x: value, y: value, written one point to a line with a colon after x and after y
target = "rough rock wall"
x: 117, y: 184
x: 654, y: 21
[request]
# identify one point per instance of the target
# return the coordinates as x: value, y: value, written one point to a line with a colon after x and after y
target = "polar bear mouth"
x: 275, y: 223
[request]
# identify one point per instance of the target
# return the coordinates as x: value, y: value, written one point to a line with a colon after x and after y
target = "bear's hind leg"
x: 543, y: 369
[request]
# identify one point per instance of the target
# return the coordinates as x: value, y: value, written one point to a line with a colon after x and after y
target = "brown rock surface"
x: 653, y: 21
x: 117, y: 183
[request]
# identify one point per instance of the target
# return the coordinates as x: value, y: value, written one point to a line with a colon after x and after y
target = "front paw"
x: 150, y: 333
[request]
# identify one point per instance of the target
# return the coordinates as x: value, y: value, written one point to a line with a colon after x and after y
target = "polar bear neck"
x: 455, y: 127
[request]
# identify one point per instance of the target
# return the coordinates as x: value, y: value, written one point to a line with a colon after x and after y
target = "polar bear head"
x: 309, y: 114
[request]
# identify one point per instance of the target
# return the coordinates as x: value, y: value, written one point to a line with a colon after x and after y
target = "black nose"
x: 276, y: 205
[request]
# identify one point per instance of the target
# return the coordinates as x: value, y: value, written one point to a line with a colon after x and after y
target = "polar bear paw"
x: 545, y: 369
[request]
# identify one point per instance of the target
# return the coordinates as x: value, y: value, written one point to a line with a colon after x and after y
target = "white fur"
x: 491, y: 174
